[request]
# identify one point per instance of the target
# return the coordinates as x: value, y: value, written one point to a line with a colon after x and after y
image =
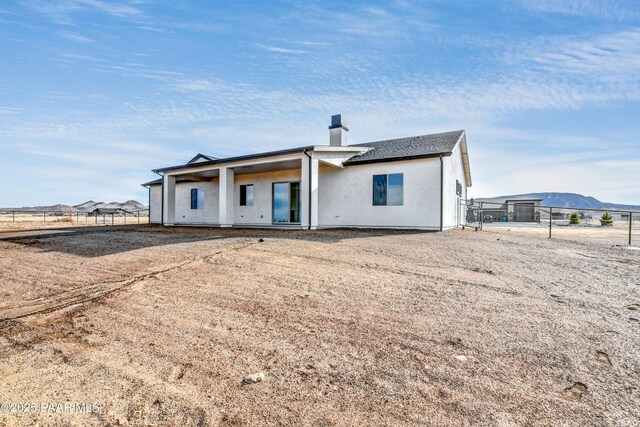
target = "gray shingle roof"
x: 413, y: 147
x: 204, y: 156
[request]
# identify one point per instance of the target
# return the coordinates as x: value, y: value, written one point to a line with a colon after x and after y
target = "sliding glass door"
x: 286, y: 202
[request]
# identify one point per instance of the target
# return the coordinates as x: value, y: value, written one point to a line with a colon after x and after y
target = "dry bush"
x: 65, y: 219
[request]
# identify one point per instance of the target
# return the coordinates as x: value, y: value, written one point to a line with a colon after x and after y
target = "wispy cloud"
x: 397, y: 20
x: 119, y: 9
x: 309, y: 43
x: 200, y: 85
x: 79, y: 57
x: 11, y: 110
x: 378, y: 105
x: 155, y: 29
x: 610, y: 55
x: 76, y: 37
x: 610, y: 9
x: 63, y: 11
x: 277, y: 49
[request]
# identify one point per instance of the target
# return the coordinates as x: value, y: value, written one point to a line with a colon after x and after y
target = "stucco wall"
x: 155, y: 204
x: 454, y: 211
x: 261, y: 211
x: 184, y: 213
x: 345, y: 196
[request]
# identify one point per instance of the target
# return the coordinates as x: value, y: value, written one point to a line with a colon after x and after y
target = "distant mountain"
x: 129, y: 205
x: 567, y: 200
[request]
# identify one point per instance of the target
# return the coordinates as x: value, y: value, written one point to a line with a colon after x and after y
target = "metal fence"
x: 24, y: 217
x: 618, y: 226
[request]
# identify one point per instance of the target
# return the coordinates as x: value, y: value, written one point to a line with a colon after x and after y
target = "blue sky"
x: 94, y: 94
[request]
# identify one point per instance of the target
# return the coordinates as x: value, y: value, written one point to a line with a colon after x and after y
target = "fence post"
x: 481, y: 215
x: 550, y: 218
x: 14, y: 216
x: 630, y: 226
x: 112, y: 215
x: 138, y: 217
x: 125, y: 218
x: 44, y: 216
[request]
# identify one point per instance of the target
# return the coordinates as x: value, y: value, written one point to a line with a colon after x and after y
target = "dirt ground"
x: 163, y: 327
x: 616, y: 234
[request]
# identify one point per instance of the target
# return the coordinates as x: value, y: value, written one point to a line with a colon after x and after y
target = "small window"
x: 388, y: 190
x: 246, y: 195
x: 197, y: 198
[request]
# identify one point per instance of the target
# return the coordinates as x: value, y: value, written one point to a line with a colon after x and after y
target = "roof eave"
x: 464, y: 151
x: 236, y: 159
x: 398, y: 159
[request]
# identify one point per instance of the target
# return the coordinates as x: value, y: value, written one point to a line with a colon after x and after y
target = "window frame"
x: 246, y: 200
x: 298, y: 204
x: 199, y: 197
x: 386, y: 189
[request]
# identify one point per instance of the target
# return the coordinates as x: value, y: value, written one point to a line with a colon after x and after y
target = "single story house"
x: 417, y: 182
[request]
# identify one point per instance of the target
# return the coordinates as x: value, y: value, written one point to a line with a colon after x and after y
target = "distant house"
x: 109, y: 211
x: 560, y: 215
x: 418, y: 182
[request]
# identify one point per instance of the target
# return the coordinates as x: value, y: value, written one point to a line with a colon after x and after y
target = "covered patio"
x: 277, y: 189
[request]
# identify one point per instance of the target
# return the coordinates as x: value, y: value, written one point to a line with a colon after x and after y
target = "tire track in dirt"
x: 84, y: 294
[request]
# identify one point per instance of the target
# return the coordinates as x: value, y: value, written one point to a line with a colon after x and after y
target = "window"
x: 246, y: 195
x: 388, y: 189
x: 197, y: 198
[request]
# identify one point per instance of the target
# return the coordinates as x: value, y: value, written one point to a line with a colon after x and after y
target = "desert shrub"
x: 574, y: 218
x: 606, y: 219
x: 64, y: 219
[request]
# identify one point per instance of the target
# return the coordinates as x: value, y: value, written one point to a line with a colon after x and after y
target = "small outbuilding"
x: 507, y: 210
x: 523, y: 210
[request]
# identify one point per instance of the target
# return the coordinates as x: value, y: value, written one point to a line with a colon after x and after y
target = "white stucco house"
x: 416, y: 183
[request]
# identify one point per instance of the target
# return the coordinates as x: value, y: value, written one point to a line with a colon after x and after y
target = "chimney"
x: 337, y: 132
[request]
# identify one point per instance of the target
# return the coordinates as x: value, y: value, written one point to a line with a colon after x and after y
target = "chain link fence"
x: 25, y: 219
x: 616, y: 226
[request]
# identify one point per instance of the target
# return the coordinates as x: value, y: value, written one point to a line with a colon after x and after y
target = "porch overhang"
x: 265, y: 162
x: 239, y: 160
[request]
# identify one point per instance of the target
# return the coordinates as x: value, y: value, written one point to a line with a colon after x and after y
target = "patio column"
x: 168, y: 199
x: 226, y: 197
x: 309, y: 192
